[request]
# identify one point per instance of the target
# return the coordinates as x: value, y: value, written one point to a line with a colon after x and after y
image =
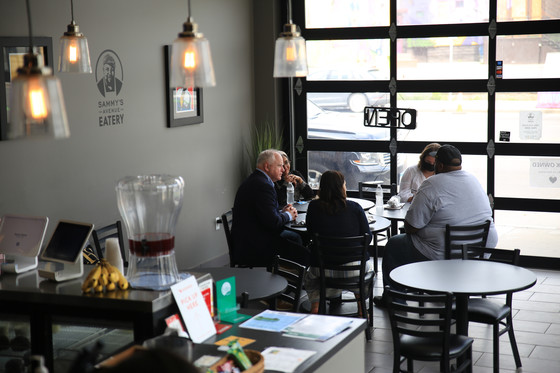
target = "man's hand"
x: 292, y: 210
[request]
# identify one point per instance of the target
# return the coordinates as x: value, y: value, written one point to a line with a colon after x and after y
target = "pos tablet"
x: 65, y: 246
x: 21, y: 238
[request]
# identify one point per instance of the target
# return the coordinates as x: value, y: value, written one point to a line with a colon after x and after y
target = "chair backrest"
x: 424, y: 317
x: 457, y: 235
x: 366, y: 190
x: 227, y: 221
x: 293, y: 272
x: 341, y: 254
x: 508, y: 256
x: 100, y: 235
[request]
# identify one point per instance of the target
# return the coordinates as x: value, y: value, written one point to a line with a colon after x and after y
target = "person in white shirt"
x: 452, y: 196
x: 413, y: 176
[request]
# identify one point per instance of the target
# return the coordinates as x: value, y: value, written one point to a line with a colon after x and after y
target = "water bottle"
x: 379, y: 199
x: 290, y: 194
x: 38, y: 364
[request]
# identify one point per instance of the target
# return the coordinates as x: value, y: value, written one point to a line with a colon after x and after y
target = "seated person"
x: 332, y: 215
x: 452, y: 196
x: 413, y: 176
x: 258, y: 221
x: 302, y: 191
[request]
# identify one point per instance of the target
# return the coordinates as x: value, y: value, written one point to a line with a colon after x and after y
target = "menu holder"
x: 227, y: 302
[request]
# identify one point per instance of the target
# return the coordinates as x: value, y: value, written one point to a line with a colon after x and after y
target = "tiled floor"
x: 537, y: 328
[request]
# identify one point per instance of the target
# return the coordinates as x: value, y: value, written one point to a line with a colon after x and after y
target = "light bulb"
x: 37, y: 103
x: 190, y: 59
x: 72, y: 53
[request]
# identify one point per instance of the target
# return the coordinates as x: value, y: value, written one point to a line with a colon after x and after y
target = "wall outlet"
x: 218, y: 223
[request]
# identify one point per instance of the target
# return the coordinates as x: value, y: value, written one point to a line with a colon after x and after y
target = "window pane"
x: 424, y: 12
x: 474, y: 164
x: 535, y: 233
x: 455, y: 117
x: 529, y: 56
x: 348, y: 59
x: 340, y: 125
x: 528, y: 117
x: 355, y: 166
x: 525, y: 10
x: 457, y: 57
x: 527, y: 177
x: 346, y: 13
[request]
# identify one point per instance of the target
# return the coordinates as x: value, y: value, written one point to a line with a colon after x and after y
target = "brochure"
x: 284, y: 359
x: 273, y: 321
x: 318, y: 327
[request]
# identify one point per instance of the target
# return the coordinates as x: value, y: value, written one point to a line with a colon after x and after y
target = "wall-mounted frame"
x: 184, y: 105
x: 12, y: 50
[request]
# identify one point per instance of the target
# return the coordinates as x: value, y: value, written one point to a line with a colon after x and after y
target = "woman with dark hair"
x: 331, y: 214
x: 415, y: 175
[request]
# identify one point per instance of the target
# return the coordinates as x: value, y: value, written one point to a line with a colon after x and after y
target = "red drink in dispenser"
x: 150, y: 206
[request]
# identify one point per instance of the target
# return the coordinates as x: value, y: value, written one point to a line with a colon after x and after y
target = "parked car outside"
x: 347, y: 101
x: 356, y: 166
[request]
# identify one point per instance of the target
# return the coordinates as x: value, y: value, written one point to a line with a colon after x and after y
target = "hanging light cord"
x: 290, y: 11
x: 189, y: 10
x: 72, y: 9
x: 29, y: 27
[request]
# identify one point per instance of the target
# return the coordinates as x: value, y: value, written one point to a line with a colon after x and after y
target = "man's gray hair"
x: 266, y: 156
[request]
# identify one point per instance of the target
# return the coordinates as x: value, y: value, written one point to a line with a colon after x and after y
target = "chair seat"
x: 346, y: 283
x: 483, y: 310
x: 422, y: 348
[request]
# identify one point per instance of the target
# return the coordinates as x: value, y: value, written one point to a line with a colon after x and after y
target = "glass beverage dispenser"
x: 149, y: 206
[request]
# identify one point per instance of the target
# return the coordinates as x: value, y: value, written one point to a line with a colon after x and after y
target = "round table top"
x: 259, y: 283
x: 380, y: 224
x: 470, y: 277
x: 393, y: 214
x: 301, y: 206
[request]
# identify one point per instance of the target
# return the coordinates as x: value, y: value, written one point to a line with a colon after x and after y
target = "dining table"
x: 251, y: 284
x: 394, y: 214
x: 301, y: 206
x: 377, y: 224
x: 463, y: 278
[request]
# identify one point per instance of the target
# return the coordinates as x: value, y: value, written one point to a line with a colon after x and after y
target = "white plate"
x: 398, y: 207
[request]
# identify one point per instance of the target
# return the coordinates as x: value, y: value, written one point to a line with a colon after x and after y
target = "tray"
x: 398, y: 207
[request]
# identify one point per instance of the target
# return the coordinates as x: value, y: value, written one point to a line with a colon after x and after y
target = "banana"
x: 98, y: 288
x: 104, y: 278
x: 92, y: 278
x: 111, y: 286
x: 123, y: 283
x: 114, y: 273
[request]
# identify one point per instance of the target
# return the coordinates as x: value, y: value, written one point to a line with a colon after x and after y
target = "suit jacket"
x: 257, y: 222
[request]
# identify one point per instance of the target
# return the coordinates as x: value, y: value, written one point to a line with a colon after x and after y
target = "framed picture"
x: 184, y: 104
x: 12, y: 51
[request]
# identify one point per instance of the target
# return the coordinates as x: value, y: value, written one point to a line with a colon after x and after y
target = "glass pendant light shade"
x: 191, y: 62
x: 37, y: 105
x: 290, y: 56
x: 74, y: 52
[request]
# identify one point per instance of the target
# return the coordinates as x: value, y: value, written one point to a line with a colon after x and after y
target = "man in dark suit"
x: 257, y: 218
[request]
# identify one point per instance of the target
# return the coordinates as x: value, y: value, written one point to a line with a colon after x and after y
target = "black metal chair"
x: 293, y: 272
x: 457, y: 235
x: 345, y: 254
x: 227, y: 221
x: 100, y: 236
x: 421, y: 329
x: 491, y: 312
x: 366, y: 190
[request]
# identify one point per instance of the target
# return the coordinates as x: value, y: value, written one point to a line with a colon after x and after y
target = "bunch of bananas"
x: 104, y: 276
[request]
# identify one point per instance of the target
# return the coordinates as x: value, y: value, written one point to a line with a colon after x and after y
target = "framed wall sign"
x: 12, y: 50
x: 184, y: 104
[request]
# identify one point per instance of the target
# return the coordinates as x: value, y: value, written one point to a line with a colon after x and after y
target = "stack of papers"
x: 314, y: 327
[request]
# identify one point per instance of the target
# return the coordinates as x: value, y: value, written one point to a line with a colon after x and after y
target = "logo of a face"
x: 226, y: 288
x: 109, y: 73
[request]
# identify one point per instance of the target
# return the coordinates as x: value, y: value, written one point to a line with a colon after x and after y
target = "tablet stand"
x: 19, y: 264
x: 69, y: 271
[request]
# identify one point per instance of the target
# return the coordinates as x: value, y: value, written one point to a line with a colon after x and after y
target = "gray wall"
x: 75, y: 178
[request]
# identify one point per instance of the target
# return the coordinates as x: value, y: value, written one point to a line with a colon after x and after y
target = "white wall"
x: 75, y: 178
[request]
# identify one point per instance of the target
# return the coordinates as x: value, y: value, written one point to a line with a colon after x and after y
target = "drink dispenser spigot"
x: 149, y: 206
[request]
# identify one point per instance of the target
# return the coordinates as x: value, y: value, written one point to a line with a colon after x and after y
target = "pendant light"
x: 191, y: 61
x: 36, y: 106
x: 74, y: 52
x: 290, y: 56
